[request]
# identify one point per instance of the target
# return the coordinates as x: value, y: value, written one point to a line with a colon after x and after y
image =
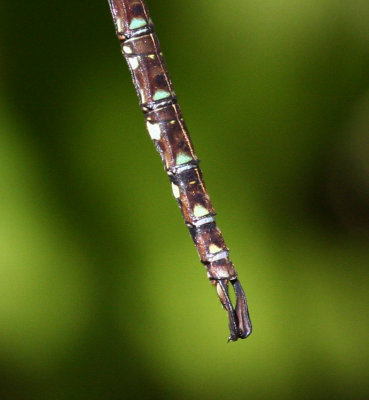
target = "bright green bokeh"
x: 102, y: 295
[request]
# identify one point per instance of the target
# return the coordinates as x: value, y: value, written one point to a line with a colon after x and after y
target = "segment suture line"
x: 168, y: 131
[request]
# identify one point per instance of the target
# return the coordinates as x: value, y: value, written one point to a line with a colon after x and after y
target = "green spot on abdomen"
x: 213, y: 248
x: 137, y: 23
x: 200, y: 211
x: 161, y: 94
x: 183, y: 158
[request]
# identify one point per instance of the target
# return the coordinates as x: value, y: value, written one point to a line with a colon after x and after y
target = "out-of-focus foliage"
x: 102, y: 295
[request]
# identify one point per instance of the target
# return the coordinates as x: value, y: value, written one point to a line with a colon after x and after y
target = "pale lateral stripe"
x: 142, y: 95
x: 127, y: 50
x: 133, y: 62
x: 120, y: 25
x: 154, y: 130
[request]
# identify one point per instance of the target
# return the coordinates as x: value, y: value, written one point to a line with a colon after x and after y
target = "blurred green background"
x: 102, y: 295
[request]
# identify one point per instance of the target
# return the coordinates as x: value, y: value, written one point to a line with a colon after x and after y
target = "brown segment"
x: 124, y: 12
x: 175, y: 139
x: 222, y: 269
x: 192, y: 194
x: 174, y: 143
x: 209, y: 241
x: 150, y: 74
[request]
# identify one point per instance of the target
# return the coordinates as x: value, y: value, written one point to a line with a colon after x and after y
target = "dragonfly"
x: 166, y: 127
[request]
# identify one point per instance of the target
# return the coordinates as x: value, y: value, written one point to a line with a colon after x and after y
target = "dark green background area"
x: 102, y: 295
